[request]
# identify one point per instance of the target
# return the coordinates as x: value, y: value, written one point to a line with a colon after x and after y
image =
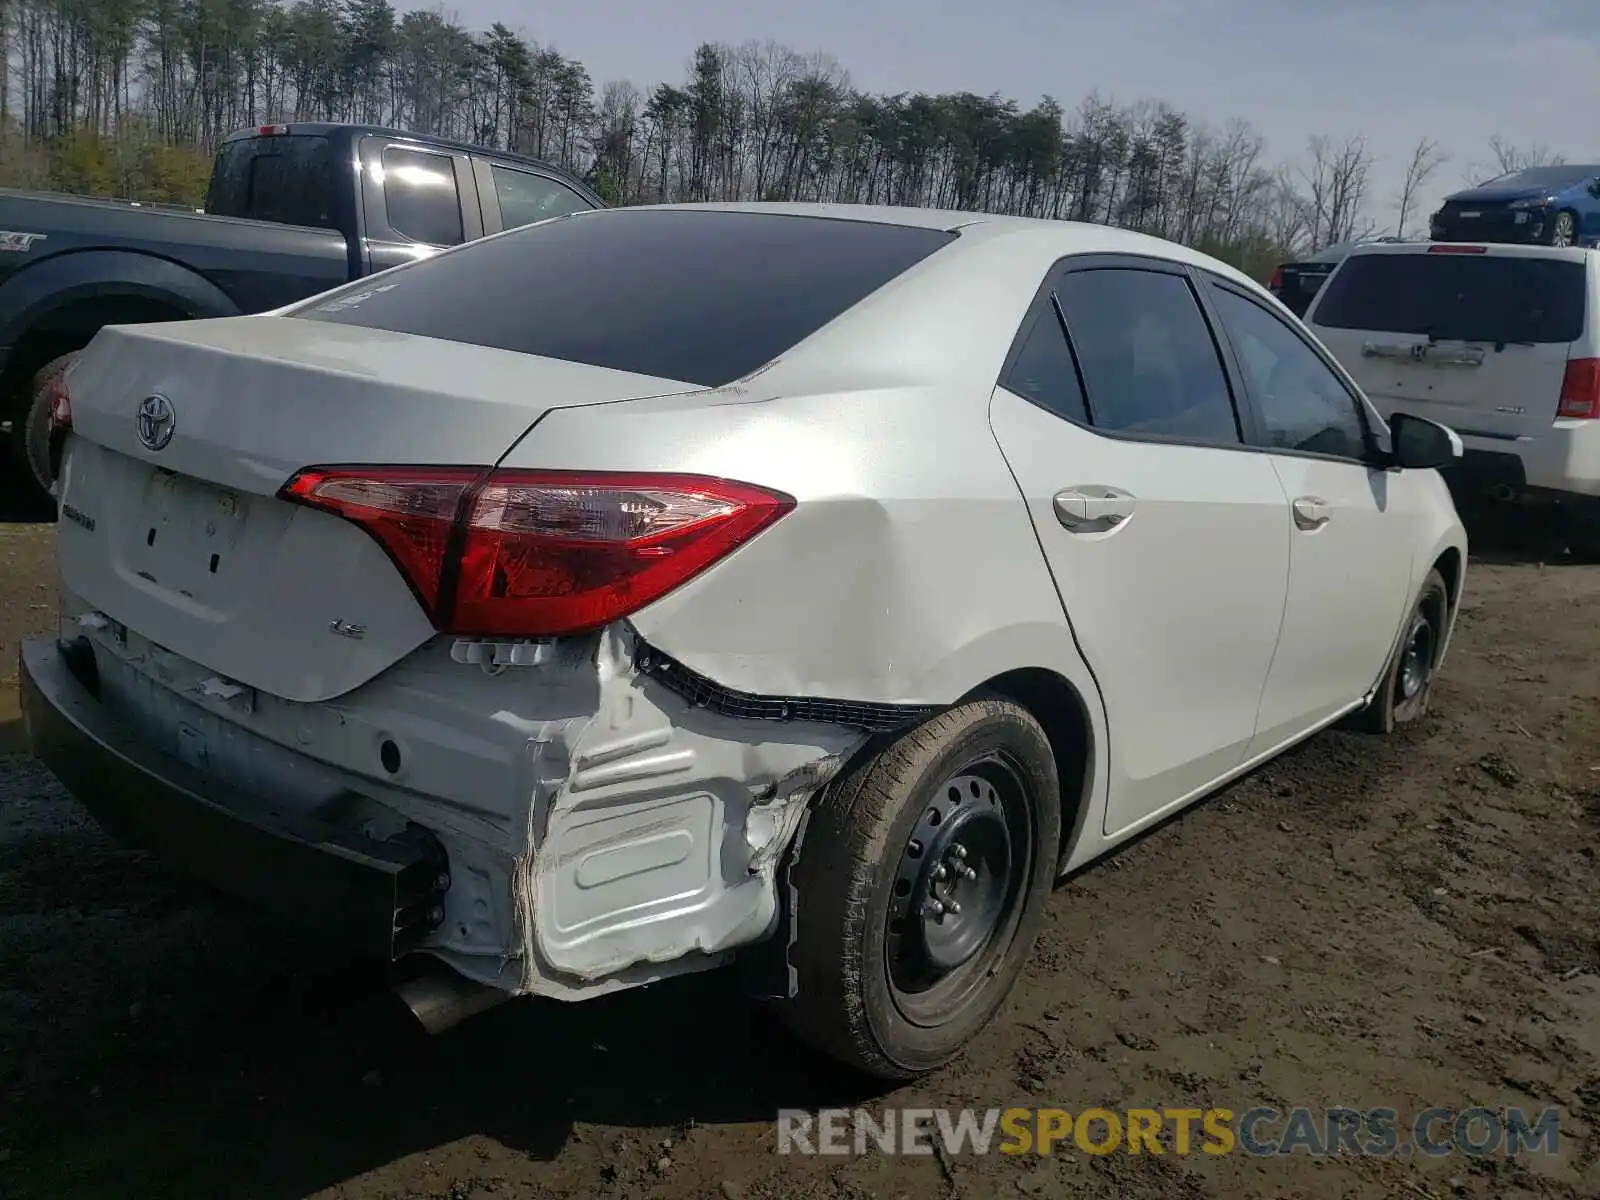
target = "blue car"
x: 1549, y: 206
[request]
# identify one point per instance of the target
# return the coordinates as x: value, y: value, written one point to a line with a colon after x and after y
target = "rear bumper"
x: 1564, y: 459
x: 379, y: 898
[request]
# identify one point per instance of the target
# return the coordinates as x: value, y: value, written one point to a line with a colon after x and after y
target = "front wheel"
x: 1407, y: 685
x: 1563, y: 230
x: 920, y: 886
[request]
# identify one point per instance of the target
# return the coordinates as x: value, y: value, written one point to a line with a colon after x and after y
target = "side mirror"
x: 1419, y: 444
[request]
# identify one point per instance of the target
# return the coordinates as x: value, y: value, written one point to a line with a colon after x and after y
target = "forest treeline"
x: 127, y: 98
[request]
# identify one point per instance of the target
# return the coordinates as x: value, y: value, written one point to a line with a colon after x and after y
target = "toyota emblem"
x: 156, y: 421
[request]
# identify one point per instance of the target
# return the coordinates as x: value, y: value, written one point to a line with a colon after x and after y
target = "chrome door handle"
x: 1092, y: 508
x: 1311, y: 512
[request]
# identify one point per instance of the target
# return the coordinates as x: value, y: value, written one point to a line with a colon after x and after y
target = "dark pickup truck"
x: 292, y: 210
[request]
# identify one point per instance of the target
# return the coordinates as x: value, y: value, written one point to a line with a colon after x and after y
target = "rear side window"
x: 287, y: 179
x: 420, y: 196
x: 702, y: 297
x: 1150, y: 364
x: 1043, y: 370
x: 1466, y: 297
x: 525, y: 197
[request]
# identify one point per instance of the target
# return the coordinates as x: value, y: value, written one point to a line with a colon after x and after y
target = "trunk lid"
x: 1475, y: 338
x: 188, y: 545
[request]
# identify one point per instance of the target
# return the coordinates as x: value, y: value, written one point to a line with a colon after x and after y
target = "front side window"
x: 525, y: 197
x: 1150, y: 365
x: 1303, y: 404
x: 420, y: 197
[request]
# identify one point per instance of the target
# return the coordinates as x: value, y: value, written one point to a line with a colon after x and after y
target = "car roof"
x: 1060, y: 238
x: 324, y: 128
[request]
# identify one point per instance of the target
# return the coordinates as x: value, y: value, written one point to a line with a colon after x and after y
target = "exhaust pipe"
x: 1502, y: 491
x: 441, y: 1000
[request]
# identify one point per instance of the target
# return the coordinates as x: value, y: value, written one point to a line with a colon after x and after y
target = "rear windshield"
x: 696, y: 296
x: 1469, y: 297
x: 287, y: 179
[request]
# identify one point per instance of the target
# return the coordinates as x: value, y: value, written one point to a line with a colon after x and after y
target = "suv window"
x: 525, y: 197
x: 1465, y: 297
x: 1043, y: 371
x: 420, y: 196
x: 696, y: 296
x: 1149, y: 363
x: 287, y: 179
x: 1303, y: 404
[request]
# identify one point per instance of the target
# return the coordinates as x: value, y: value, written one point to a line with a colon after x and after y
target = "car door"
x: 1350, y: 558
x: 1167, y: 538
x: 513, y: 197
x: 418, y: 201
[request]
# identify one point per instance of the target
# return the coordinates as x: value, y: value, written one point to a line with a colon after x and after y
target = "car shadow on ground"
x: 235, y: 1060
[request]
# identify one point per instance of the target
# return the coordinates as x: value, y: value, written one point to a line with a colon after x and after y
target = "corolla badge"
x: 156, y: 421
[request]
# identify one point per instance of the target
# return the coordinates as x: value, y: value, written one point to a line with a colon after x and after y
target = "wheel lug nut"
x: 933, y: 908
x: 951, y: 907
x: 957, y: 849
x: 968, y: 873
x: 939, y: 872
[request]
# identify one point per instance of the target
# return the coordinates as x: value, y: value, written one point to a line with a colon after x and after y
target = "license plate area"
x: 187, y: 534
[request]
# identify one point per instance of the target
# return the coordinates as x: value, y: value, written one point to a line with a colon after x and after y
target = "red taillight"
x: 272, y: 130
x: 1580, y: 389
x: 1275, y: 284
x: 1455, y: 248
x: 541, y: 553
x: 60, y: 412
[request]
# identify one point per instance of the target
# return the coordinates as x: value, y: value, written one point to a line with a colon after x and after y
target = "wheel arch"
x: 1063, y: 713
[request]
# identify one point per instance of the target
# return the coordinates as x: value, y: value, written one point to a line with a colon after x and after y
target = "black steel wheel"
x: 920, y: 884
x: 1407, y: 684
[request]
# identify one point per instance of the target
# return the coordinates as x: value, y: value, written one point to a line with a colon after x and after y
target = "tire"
x: 1583, y: 530
x: 32, y: 431
x: 1563, y: 230
x: 865, y: 946
x: 1407, y: 686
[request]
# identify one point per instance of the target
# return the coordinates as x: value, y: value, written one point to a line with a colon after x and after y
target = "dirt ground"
x: 1366, y: 922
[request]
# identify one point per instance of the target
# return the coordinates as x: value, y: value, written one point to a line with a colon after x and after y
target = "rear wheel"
x: 920, y: 887
x: 1407, y: 684
x: 1563, y: 230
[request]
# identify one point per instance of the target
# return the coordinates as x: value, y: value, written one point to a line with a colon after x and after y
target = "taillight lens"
x: 541, y: 553
x: 1580, y: 389
x: 1275, y: 284
x: 60, y: 411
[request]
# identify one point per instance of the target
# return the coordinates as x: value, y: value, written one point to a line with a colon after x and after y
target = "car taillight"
x: 540, y: 553
x: 59, y: 416
x: 1275, y: 284
x: 1580, y: 389
x: 1456, y: 248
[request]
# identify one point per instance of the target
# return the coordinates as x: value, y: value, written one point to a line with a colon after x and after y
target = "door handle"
x: 1311, y: 512
x: 1092, y: 508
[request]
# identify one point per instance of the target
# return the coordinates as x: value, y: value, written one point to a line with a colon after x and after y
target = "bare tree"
x: 1508, y: 157
x: 1337, y: 179
x: 1426, y: 158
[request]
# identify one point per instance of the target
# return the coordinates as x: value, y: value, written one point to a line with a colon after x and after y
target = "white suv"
x: 1501, y: 343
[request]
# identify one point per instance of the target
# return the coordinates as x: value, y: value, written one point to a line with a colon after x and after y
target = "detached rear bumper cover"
x: 379, y: 897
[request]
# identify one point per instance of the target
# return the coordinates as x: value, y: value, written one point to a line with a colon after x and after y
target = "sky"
x: 1392, y: 71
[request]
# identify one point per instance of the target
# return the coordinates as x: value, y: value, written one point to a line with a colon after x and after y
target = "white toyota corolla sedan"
x: 650, y: 588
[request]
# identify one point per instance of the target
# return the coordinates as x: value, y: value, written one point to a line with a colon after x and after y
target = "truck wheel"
x: 32, y: 431
x: 1583, y: 530
x: 920, y: 887
x: 1408, y: 682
